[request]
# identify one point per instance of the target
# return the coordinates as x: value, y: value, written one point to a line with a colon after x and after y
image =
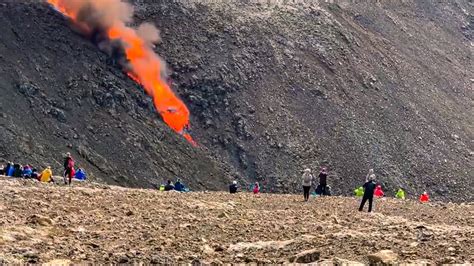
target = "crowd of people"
x: 367, y: 191
x: 370, y: 189
x: 178, y: 186
x: 29, y: 172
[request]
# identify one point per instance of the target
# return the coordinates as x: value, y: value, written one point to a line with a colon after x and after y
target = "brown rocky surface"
x: 94, y: 223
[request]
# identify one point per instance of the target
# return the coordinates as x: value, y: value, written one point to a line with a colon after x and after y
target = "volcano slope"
x: 275, y: 88
x: 106, y: 224
x: 60, y: 93
x: 272, y: 88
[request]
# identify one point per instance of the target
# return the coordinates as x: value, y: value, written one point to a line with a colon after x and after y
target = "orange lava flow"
x: 145, y: 68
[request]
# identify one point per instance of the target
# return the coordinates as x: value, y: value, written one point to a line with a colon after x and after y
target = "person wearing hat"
x: 307, y: 181
x: 369, y: 188
x: 424, y: 197
x: 233, y: 187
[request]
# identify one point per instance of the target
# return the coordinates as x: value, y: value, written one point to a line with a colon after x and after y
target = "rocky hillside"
x: 272, y: 88
x: 102, y: 224
x: 276, y: 88
x: 60, y: 93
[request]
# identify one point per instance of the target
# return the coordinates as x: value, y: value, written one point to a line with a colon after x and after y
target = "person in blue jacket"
x: 80, y: 174
x: 178, y: 186
x: 11, y: 170
x: 27, y: 171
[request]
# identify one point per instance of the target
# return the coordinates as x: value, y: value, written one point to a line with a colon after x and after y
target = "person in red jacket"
x: 378, y: 191
x: 68, y: 168
x: 424, y: 197
x: 256, y: 188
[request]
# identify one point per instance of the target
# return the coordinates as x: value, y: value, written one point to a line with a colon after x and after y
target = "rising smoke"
x: 107, y: 22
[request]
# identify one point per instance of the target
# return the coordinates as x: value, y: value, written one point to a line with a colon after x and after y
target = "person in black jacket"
x: 369, y: 188
x: 233, y: 187
x: 169, y: 186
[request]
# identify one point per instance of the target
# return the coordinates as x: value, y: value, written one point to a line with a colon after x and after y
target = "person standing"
x: 307, y: 181
x: 323, y: 179
x: 68, y: 168
x: 369, y: 188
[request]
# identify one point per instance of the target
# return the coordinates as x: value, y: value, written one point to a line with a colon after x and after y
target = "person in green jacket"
x: 359, y: 192
x: 400, y: 194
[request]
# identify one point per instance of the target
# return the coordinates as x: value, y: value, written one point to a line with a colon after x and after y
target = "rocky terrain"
x: 96, y: 223
x: 272, y: 88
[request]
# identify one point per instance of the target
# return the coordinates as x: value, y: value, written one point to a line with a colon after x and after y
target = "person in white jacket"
x: 307, y: 181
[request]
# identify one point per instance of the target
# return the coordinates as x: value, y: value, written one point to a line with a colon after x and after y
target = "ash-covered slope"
x: 60, y: 93
x: 276, y: 88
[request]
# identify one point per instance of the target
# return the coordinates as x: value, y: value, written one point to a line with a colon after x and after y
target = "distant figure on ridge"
x: 178, y: 186
x: 233, y: 187
x: 424, y: 197
x: 307, y: 181
x: 47, y: 175
x: 400, y: 194
x: 68, y: 168
x: 378, y: 191
x: 169, y: 186
x: 369, y: 188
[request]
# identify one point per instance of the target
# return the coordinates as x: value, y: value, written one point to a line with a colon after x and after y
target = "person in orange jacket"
x: 424, y: 197
x: 378, y: 191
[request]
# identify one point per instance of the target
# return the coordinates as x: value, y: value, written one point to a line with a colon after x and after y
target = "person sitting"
x: 378, y: 191
x: 47, y: 175
x: 34, y: 174
x: 424, y: 197
x: 17, y: 170
x: 400, y: 194
x: 178, y: 186
x: 256, y: 188
x: 162, y: 187
x: 80, y: 174
x: 359, y: 192
x: 233, y: 187
x: 27, y: 171
x: 169, y: 186
x: 10, y: 169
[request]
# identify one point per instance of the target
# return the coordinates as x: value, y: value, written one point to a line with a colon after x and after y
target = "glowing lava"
x: 144, y: 66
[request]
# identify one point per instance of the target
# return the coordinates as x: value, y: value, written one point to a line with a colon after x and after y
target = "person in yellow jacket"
x: 400, y: 194
x: 46, y: 175
x: 359, y: 192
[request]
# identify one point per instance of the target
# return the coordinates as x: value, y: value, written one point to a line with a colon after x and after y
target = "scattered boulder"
x: 383, y: 257
x: 306, y: 256
x: 39, y: 220
x: 58, y: 262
